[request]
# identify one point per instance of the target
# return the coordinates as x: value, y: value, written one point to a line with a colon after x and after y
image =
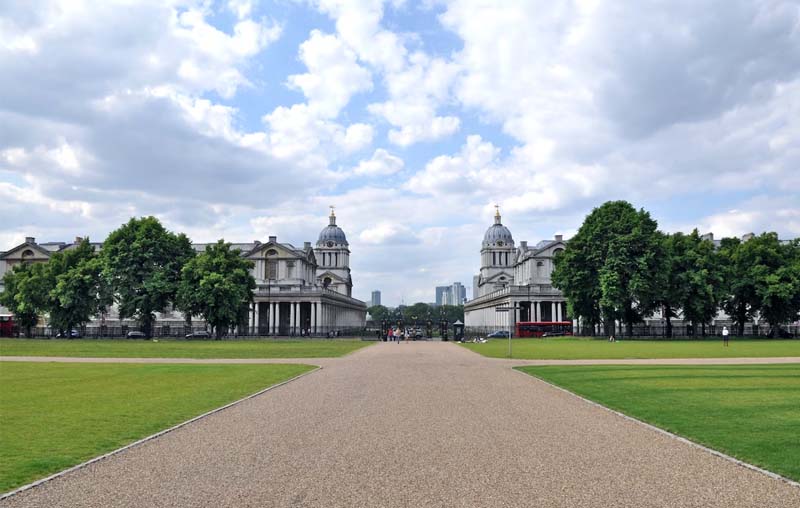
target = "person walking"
x: 725, y: 334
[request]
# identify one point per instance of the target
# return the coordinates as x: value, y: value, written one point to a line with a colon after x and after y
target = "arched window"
x: 326, y: 282
x: 272, y: 252
x: 557, y: 252
x: 539, y: 269
x: 27, y: 256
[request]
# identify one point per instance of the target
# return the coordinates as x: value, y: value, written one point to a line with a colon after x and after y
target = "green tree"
x: 701, y: 276
x: 218, y: 285
x: 610, y: 268
x: 451, y: 313
x: 673, y: 267
x: 739, y: 291
x: 78, y: 290
x: 419, y: 310
x: 379, y: 313
x: 776, y: 272
x: 24, y: 294
x: 142, y: 262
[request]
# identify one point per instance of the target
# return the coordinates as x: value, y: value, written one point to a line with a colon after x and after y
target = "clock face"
x: 500, y: 243
x: 330, y: 244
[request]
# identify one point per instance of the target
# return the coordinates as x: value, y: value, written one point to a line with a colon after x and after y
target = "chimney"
x: 748, y: 236
x: 273, y: 239
x: 523, y: 244
x: 559, y: 238
x: 707, y: 236
x: 30, y: 239
x: 306, y: 245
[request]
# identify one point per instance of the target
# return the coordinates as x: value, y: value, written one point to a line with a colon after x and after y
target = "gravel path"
x: 418, y: 424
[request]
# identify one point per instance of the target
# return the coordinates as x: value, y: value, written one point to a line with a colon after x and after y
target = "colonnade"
x: 301, y: 317
x: 540, y: 310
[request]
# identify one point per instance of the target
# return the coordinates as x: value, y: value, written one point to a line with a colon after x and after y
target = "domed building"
x: 497, y: 257
x: 514, y: 277
x: 306, y: 290
x: 299, y: 290
x: 333, y: 259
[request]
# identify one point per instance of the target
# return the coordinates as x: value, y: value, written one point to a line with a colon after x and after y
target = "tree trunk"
x: 668, y: 312
x: 742, y: 316
x: 704, y: 329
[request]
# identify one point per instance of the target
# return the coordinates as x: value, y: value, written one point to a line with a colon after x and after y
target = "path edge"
x: 717, y: 453
x: 151, y: 437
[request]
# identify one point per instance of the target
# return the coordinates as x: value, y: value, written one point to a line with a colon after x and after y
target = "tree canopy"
x: 609, y: 270
x: 142, y: 262
x: 217, y: 285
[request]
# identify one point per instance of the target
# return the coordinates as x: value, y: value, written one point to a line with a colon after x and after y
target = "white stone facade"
x: 296, y: 293
x: 516, y: 278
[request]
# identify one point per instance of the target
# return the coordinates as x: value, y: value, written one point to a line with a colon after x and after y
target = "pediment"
x: 16, y: 252
x: 272, y: 250
x: 332, y: 276
x: 496, y: 277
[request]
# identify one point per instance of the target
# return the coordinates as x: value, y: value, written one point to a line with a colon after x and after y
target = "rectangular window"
x: 272, y: 270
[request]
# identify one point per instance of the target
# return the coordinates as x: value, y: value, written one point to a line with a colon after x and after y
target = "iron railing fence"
x: 173, y: 331
x: 191, y: 332
x: 658, y: 331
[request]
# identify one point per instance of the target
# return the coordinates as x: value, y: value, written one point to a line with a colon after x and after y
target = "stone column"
x: 258, y: 317
x: 291, y: 317
x: 277, y: 317
x: 313, y: 317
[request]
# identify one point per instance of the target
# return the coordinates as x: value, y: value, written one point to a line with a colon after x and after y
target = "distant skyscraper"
x: 454, y: 294
x: 440, y: 292
x: 376, y: 298
x: 458, y: 294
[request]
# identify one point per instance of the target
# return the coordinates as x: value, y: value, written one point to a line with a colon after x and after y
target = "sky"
x: 242, y: 119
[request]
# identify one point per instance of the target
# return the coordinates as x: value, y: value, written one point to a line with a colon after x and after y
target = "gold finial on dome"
x: 333, y: 215
x: 497, y: 214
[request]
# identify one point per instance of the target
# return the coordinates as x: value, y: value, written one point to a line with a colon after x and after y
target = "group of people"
x: 397, y: 334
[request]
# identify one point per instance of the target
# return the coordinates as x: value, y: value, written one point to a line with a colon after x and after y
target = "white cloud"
x: 333, y: 77
x: 755, y: 215
x: 381, y: 163
x: 387, y: 232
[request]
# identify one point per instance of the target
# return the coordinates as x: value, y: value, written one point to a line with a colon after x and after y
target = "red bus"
x: 543, y: 328
x: 6, y: 325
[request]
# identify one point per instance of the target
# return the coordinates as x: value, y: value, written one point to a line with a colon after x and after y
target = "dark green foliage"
x: 143, y: 262
x: 379, y: 313
x: 78, y: 288
x: 610, y: 269
x: 762, y: 275
x: 694, y: 277
x: 217, y: 285
x: 25, y: 294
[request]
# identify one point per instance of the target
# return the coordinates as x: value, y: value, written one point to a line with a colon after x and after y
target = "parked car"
x: 73, y: 334
x: 202, y: 334
x: 499, y: 334
x: 136, y: 335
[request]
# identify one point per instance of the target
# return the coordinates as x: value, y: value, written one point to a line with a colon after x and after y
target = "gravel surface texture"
x: 413, y: 425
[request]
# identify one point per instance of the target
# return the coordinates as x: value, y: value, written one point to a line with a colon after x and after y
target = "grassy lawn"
x: 751, y: 412
x: 575, y: 349
x: 53, y: 416
x: 123, y: 348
